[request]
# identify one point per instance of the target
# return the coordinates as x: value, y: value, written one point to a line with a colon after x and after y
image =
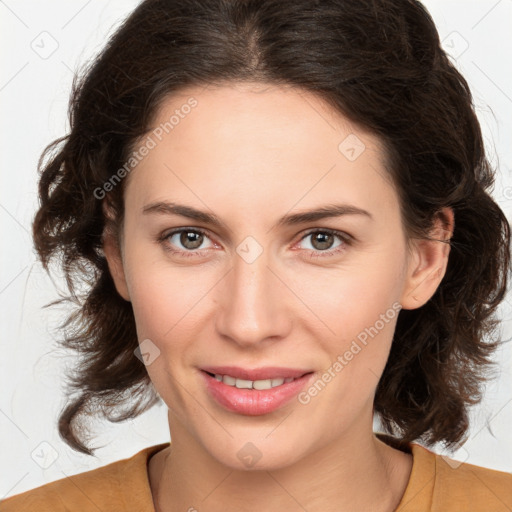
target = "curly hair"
x: 377, y: 62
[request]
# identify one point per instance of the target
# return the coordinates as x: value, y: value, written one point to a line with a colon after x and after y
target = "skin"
x: 251, y: 153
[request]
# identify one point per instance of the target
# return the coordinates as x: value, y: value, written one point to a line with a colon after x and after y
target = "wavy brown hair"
x: 377, y: 62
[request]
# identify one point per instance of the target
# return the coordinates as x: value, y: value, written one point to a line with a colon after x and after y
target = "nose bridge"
x: 251, y: 309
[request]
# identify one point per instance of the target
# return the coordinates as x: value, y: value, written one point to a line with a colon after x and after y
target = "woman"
x: 283, y: 213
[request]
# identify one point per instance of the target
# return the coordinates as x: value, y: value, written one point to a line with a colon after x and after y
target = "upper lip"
x: 256, y: 373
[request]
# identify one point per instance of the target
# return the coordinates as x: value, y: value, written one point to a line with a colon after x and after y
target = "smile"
x: 254, y: 392
x: 252, y: 384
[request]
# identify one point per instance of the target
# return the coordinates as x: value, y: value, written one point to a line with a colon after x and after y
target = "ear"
x: 428, y: 262
x: 113, y: 254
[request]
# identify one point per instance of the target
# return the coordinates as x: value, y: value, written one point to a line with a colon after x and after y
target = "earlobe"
x: 428, y: 262
x: 114, y: 259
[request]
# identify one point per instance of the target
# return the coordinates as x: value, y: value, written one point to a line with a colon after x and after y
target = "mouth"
x: 254, y: 392
x: 257, y: 374
x: 260, y: 384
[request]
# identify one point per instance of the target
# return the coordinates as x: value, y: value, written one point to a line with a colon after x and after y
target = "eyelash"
x: 344, y: 237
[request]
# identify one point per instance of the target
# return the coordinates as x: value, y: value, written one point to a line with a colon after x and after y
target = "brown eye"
x: 191, y: 239
x: 323, y: 242
x: 185, y: 240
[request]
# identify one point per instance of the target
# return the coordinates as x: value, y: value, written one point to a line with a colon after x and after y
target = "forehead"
x: 255, y: 144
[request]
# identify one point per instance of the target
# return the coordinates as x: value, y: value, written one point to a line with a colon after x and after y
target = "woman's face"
x: 316, y: 296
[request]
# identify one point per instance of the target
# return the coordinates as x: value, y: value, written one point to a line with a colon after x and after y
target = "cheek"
x: 358, y: 310
x: 166, y: 298
x: 341, y: 304
x: 348, y: 300
x: 151, y: 295
x: 161, y: 305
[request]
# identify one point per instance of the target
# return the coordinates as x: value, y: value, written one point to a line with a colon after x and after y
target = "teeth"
x: 243, y: 384
x: 230, y: 381
x: 252, y: 384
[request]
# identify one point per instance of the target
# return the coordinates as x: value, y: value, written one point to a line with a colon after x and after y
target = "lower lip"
x: 254, y: 402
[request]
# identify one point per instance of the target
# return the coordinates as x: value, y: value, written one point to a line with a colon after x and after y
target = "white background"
x: 34, y: 90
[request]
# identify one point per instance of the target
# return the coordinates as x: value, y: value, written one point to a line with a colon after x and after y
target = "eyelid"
x: 346, y: 238
x: 342, y: 234
x: 167, y: 234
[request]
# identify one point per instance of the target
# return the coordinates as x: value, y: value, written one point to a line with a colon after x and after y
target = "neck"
x: 356, y: 472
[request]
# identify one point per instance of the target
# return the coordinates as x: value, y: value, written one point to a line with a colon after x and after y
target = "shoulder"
x: 457, y: 485
x: 473, y: 486
x: 121, y: 485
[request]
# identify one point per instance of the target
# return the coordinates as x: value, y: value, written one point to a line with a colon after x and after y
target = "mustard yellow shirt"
x: 436, y: 484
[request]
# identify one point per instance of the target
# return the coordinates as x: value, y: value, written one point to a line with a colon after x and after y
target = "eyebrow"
x: 324, y: 212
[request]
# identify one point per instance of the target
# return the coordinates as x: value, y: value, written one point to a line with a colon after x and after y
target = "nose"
x: 253, y: 303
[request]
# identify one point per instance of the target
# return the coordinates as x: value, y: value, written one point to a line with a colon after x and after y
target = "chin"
x: 256, y: 455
